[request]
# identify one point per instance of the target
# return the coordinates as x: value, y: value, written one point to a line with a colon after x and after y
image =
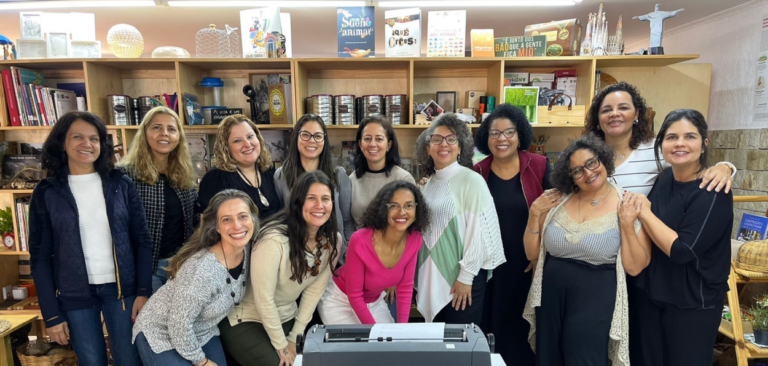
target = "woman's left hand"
x: 462, y: 295
x: 630, y: 208
x: 717, y: 177
x: 389, y: 298
x: 138, y: 303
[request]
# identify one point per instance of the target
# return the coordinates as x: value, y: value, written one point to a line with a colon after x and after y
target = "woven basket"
x: 44, y: 360
x: 753, y: 256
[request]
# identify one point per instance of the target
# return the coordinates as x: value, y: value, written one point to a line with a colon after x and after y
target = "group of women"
x: 613, y: 249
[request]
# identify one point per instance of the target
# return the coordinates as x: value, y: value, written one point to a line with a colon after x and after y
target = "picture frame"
x: 31, y: 25
x: 31, y: 48
x: 447, y: 100
x: 58, y: 44
x: 432, y: 110
x: 86, y: 49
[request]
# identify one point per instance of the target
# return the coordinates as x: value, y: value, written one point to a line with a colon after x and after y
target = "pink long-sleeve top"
x: 363, y: 277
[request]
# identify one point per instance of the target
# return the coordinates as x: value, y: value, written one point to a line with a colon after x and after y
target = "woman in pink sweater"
x: 381, y: 255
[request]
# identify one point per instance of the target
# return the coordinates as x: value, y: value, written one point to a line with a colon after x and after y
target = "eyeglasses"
x: 436, y: 139
x: 395, y: 207
x: 508, y: 133
x: 306, y: 135
x: 591, y: 164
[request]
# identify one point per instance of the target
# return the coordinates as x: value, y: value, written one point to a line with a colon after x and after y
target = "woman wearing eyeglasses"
x: 577, y: 306
x: 381, y: 255
x: 462, y: 242
x: 515, y: 179
x: 307, y: 153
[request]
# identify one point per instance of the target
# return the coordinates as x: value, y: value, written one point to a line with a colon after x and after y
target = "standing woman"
x: 207, y: 278
x: 294, y: 256
x: 307, y: 153
x: 584, y: 244
x: 679, y: 297
x: 159, y: 164
x: 382, y: 255
x: 242, y: 161
x: 91, y: 252
x: 462, y: 242
x: 516, y: 178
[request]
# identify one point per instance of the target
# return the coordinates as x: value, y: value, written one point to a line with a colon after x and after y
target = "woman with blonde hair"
x: 159, y: 164
x: 241, y: 161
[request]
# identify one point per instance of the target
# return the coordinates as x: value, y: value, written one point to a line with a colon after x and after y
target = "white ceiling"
x: 314, y: 29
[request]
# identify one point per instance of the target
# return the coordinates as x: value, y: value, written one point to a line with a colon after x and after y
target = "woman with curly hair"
x: 515, y: 179
x: 462, y: 242
x: 241, y: 161
x: 160, y: 166
x: 618, y: 115
x: 584, y: 243
x: 383, y: 254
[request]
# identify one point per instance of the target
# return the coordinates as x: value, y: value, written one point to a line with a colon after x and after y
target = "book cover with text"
x: 402, y: 32
x: 446, y: 32
x: 752, y: 228
x: 482, y: 42
x: 356, y: 31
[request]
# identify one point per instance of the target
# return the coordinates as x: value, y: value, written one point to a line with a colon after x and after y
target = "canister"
x: 370, y: 105
x: 145, y: 105
x: 322, y: 105
x: 344, y: 109
x: 393, y: 107
x: 119, y: 109
x: 135, y: 112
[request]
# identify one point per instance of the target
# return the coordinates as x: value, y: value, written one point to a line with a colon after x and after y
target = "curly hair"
x: 560, y: 178
x: 697, y: 120
x: 140, y: 160
x: 641, y: 132
x: 466, y: 146
x: 377, y: 214
x: 292, y: 167
x: 512, y: 113
x: 54, y: 157
x: 393, y: 154
x: 222, y: 158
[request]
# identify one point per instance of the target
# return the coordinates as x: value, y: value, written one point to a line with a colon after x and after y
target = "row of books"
x: 30, y: 103
x: 22, y: 220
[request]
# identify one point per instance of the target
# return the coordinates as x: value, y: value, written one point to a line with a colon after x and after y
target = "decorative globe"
x: 170, y: 52
x: 125, y: 41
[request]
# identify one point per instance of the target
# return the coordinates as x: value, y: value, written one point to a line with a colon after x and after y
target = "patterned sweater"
x: 462, y: 238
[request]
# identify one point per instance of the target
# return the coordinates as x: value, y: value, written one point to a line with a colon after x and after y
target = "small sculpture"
x: 125, y: 41
x: 170, y: 52
x: 657, y: 27
x: 216, y: 43
x: 7, y: 49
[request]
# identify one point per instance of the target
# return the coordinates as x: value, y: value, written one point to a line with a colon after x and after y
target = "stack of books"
x: 30, y: 103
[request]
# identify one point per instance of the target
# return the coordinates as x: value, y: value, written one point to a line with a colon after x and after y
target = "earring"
x: 636, y: 121
x: 598, y: 127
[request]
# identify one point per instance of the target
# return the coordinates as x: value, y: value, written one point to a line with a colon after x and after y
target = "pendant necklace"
x: 258, y: 180
x: 594, y: 204
x: 230, y: 279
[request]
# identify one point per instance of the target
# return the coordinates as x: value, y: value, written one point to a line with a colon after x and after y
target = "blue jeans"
x: 213, y: 351
x: 87, y: 335
x: 159, y: 278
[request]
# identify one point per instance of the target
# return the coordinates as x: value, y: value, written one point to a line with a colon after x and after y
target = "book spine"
x: 10, y: 98
x: 19, y: 91
x: 41, y: 105
x: 32, y: 100
x: 20, y: 223
x: 25, y: 247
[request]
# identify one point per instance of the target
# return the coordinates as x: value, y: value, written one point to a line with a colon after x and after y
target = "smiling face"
x: 443, y: 154
x: 403, y: 214
x: 243, y: 144
x: 503, y: 147
x: 374, y: 145
x: 311, y: 149
x: 682, y: 144
x: 587, y: 172
x: 318, y: 205
x: 617, y: 114
x: 235, y: 223
x: 162, y: 134
x: 82, y: 145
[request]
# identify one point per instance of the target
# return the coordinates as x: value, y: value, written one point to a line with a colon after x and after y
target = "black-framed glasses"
x: 508, y: 133
x: 436, y: 139
x: 395, y: 207
x: 591, y: 164
x: 306, y: 135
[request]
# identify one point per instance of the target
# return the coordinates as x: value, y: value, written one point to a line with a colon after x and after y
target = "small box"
x: 542, y: 84
x: 473, y: 98
x: 466, y: 111
x: 218, y: 115
x: 515, y: 78
x: 562, y: 36
x: 280, y: 104
x: 20, y: 293
x: 7, y: 292
x: 568, y: 86
x: 562, y: 73
x: 548, y: 77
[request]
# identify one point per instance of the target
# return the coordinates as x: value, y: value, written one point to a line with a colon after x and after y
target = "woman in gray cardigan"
x: 207, y: 278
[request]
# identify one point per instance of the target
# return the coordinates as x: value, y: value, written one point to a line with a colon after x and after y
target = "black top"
x: 173, y: 223
x: 695, y: 274
x: 235, y: 272
x: 217, y: 180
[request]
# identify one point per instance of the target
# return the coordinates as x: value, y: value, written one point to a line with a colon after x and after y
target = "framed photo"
x: 86, y: 49
x: 58, y: 45
x: 31, y: 24
x: 31, y: 48
x: 432, y: 110
x: 447, y: 100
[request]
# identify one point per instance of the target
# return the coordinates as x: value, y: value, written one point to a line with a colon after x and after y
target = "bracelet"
x: 729, y: 165
x: 532, y: 232
x: 205, y: 363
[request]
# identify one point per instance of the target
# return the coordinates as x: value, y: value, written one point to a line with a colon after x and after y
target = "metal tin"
x: 135, y: 111
x: 393, y: 107
x: 344, y: 110
x: 322, y: 105
x: 145, y: 105
x: 370, y: 105
x: 119, y: 109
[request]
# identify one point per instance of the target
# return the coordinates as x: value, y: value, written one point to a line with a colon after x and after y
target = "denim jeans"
x: 159, y: 278
x: 213, y: 351
x: 87, y: 335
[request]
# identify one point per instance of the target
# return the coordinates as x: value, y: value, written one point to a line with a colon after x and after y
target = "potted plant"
x: 759, y: 314
x: 6, y: 228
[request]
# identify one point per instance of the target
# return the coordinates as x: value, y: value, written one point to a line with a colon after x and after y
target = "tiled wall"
x: 748, y: 151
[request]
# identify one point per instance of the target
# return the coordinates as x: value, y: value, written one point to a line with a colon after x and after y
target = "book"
x: 356, y: 31
x: 7, y: 148
x: 22, y: 219
x: 482, y: 42
x: 525, y: 98
x: 193, y: 112
x: 347, y: 158
x: 276, y: 142
x: 402, y: 32
x: 526, y: 46
x: 28, y: 77
x: 752, y: 228
x: 22, y: 171
x: 446, y: 31
x: 30, y: 148
x: 198, y: 152
x: 258, y: 28
x: 10, y: 98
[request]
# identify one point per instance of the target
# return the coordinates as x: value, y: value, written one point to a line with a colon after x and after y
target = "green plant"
x: 6, y: 221
x: 759, y: 313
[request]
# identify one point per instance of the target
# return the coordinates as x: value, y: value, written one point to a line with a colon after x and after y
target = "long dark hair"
x: 292, y: 167
x: 290, y: 222
x: 641, y: 131
x: 693, y: 116
x: 393, y: 154
x: 376, y: 216
x: 54, y: 157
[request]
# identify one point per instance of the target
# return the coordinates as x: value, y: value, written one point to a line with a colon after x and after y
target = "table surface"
x: 17, y: 321
x: 496, y: 360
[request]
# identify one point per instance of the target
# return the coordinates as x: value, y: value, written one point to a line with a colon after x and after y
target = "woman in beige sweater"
x: 294, y: 256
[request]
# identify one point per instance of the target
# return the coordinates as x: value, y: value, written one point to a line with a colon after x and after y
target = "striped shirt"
x: 596, y: 241
x: 638, y: 173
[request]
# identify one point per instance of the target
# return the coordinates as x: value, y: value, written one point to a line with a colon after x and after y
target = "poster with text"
x: 446, y: 33
x: 761, y: 97
x: 402, y: 32
x: 355, y: 29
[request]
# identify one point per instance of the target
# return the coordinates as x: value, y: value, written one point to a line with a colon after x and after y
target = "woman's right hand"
x: 207, y: 362
x: 549, y: 199
x: 59, y: 333
x: 287, y: 355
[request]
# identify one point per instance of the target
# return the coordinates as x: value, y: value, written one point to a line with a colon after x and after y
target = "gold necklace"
x: 594, y: 204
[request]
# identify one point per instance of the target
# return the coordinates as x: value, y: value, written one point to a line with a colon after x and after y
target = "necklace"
x: 258, y: 180
x: 594, y: 204
x: 230, y: 279
x: 322, y: 243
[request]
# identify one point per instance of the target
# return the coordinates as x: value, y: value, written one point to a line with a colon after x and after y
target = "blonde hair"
x: 140, y: 160
x: 222, y: 158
